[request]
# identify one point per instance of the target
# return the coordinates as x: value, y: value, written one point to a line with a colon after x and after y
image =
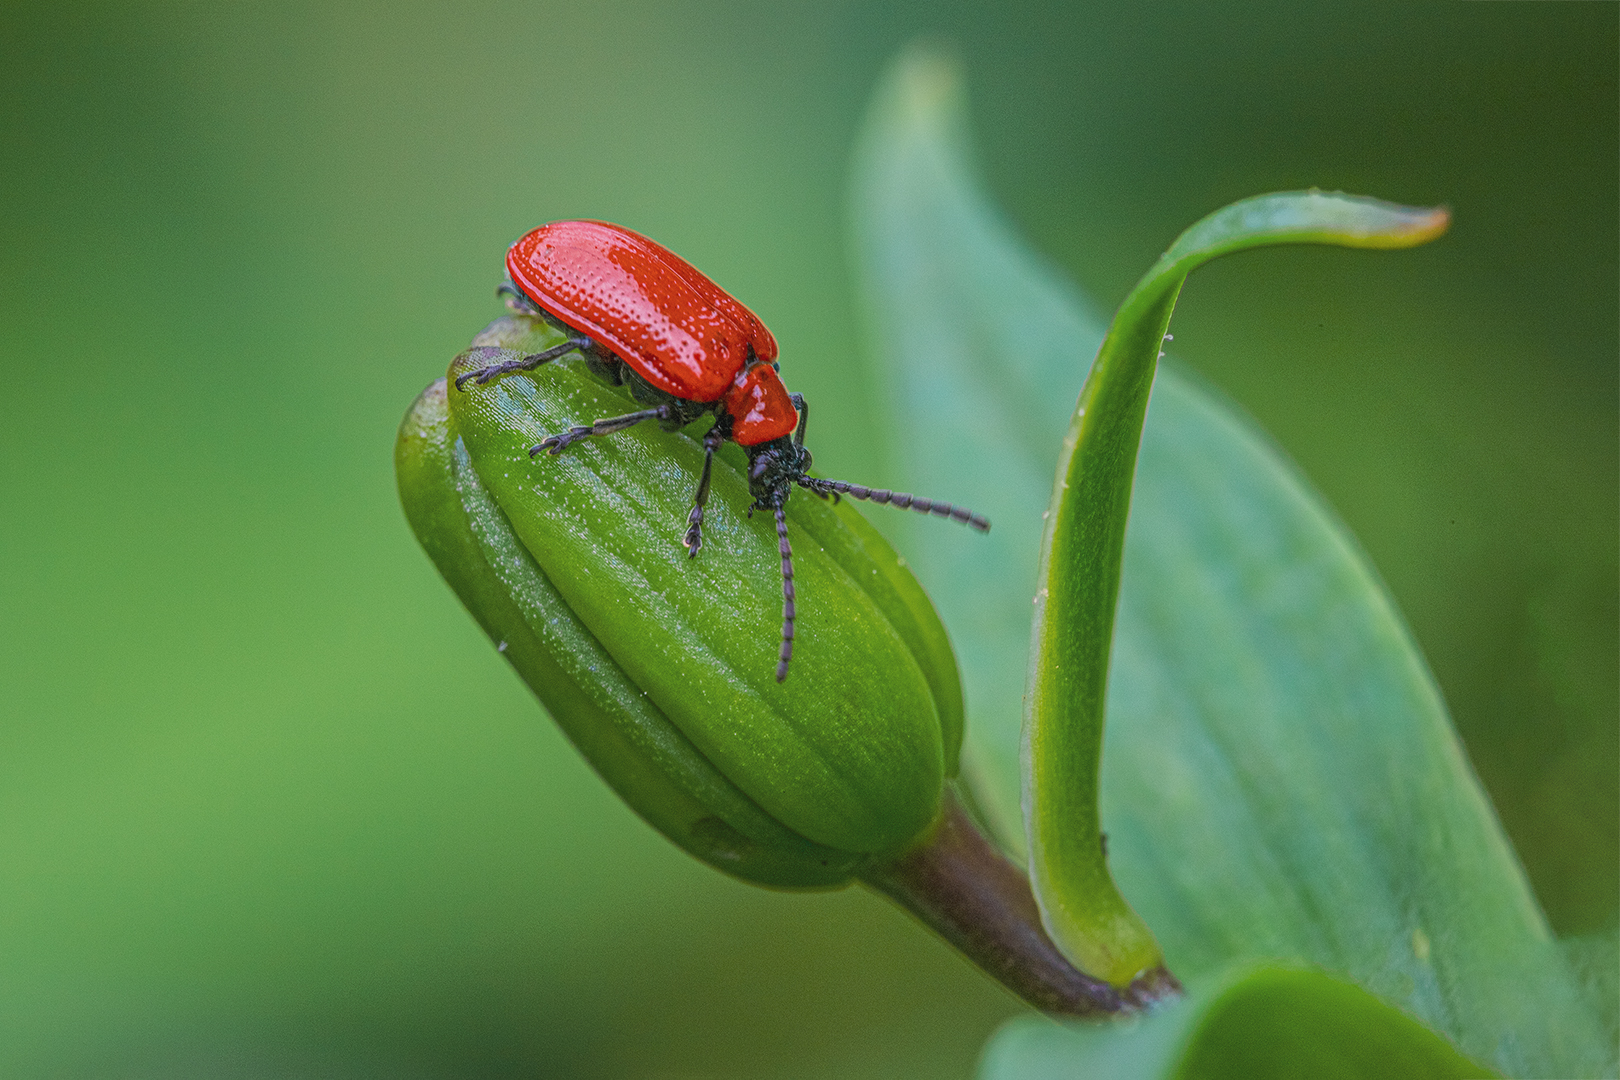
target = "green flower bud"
x: 660, y: 667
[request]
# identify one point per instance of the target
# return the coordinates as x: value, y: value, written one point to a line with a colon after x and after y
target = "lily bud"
x: 660, y: 667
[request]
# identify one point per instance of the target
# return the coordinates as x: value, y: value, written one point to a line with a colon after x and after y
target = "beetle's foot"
x: 485, y: 374
x: 556, y: 444
x: 693, y: 540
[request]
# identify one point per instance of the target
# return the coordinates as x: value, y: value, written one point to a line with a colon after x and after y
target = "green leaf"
x: 1255, y: 1023
x: 977, y: 349
x: 1081, y: 551
x: 1595, y: 961
x: 1279, y: 778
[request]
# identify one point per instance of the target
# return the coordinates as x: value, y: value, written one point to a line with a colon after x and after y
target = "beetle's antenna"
x: 896, y: 498
x: 786, y: 549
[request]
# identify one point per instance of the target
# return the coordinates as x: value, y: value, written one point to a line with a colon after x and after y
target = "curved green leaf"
x: 1279, y: 777
x: 1077, y: 584
x: 1256, y: 1023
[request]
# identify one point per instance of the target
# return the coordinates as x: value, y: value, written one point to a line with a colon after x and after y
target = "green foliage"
x: 274, y: 804
x: 1279, y: 777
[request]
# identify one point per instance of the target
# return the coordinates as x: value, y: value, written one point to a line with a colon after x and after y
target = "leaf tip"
x: 924, y: 81
x: 1424, y: 224
x: 1369, y: 222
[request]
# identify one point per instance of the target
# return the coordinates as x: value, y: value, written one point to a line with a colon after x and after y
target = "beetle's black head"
x: 773, y: 468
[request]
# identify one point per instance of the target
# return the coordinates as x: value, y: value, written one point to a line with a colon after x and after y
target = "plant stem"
x: 965, y: 890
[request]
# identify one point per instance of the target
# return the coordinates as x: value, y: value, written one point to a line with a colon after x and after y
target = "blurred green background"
x: 271, y: 807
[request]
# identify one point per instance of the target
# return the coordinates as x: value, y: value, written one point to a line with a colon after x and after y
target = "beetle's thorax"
x: 773, y: 467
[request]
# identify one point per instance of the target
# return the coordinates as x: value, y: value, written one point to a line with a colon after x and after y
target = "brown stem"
x: 965, y: 890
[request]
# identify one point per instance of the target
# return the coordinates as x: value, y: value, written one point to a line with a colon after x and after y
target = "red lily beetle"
x: 644, y: 317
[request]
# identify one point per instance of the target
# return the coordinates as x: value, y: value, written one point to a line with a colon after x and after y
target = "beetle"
x: 643, y: 317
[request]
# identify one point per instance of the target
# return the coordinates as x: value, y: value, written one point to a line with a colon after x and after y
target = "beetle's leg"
x: 527, y: 363
x: 896, y: 498
x: 558, y: 443
x: 694, y: 522
x: 804, y: 415
x: 786, y: 549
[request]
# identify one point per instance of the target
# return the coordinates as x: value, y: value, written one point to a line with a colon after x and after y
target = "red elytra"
x: 647, y: 319
x: 659, y: 314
